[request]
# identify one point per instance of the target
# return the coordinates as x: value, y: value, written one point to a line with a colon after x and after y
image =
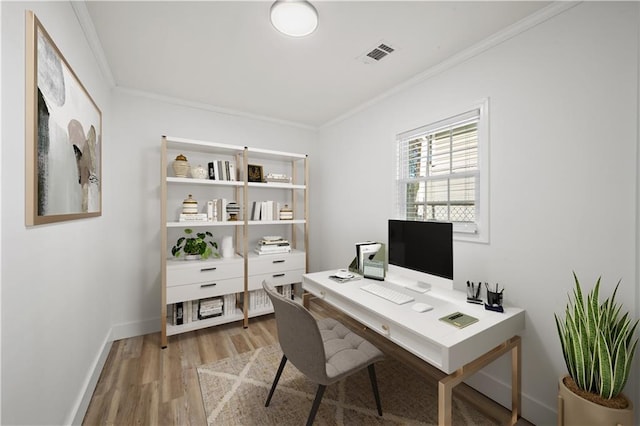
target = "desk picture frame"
x: 63, y: 136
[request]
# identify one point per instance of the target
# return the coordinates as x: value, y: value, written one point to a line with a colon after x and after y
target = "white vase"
x: 198, y: 172
x: 226, y: 246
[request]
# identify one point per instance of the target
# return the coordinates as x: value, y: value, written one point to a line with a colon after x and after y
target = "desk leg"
x: 445, y: 386
x: 445, y: 391
x: 516, y: 381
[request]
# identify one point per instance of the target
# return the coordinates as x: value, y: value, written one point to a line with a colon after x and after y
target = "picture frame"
x: 254, y: 173
x: 63, y: 136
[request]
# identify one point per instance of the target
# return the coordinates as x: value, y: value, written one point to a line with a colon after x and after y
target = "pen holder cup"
x: 493, y: 298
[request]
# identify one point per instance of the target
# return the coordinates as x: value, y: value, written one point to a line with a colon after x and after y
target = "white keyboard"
x: 387, y: 293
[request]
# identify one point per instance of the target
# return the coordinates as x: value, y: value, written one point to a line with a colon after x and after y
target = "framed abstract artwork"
x: 63, y: 136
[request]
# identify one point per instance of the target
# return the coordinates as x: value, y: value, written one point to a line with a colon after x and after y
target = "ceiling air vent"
x: 374, y: 55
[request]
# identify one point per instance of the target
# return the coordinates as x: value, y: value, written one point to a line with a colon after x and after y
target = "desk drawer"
x: 203, y: 290
x: 272, y: 263
x: 276, y: 278
x: 189, y: 272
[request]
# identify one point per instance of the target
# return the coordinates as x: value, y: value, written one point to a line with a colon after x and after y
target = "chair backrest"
x: 299, y: 335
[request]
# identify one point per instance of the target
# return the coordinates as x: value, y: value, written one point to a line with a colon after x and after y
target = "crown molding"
x: 82, y: 13
x: 555, y: 8
x: 513, y: 30
x: 212, y: 108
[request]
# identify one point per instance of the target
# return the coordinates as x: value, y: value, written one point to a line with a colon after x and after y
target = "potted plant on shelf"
x: 195, y: 247
x: 598, y: 346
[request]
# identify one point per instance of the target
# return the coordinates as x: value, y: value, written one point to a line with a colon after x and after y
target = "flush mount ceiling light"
x: 296, y: 18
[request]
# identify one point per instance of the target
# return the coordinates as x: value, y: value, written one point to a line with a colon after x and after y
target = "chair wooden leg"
x: 283, y: 361
x: 316, y: 404
x: 374, y: 385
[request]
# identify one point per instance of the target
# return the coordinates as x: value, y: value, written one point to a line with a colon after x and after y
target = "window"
x: 439, y: 175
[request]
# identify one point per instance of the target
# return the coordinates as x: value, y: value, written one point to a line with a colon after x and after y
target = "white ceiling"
x: 226, y: 54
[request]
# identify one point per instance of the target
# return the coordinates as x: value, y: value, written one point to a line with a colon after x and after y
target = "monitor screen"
x: 425, y: 247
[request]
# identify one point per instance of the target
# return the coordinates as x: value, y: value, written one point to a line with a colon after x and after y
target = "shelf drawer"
x: 271, y: 263
x: 203, y: 290
x: 190, y: 272
x: 276, y: 278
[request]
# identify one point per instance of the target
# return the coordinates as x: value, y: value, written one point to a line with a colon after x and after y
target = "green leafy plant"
x: 597, y: 342
x: 194, y: 245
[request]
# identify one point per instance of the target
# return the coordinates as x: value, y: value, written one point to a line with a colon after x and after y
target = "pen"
x: 478, y: 290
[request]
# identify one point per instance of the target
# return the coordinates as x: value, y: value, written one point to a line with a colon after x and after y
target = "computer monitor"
x: 420, y: 252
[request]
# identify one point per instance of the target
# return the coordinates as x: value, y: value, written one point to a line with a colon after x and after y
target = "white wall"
x: 69, y: 289
x: 563, y: 185
x: 563, y: 104
x: 55, y: 325
x: 140, y: 123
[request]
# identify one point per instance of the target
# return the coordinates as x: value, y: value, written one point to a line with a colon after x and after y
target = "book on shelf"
x: 212, y: 210
x: 285, y: 290
x: 265, y: 210
x: 229, y: 304
x: 221, y: 173
x: 210, y: 307
x: 272, y: 244
x: 193, y: 217
x: 181, y: 313
x: 277, y: 178
x: 258, y: 300
x: 283, y: 247
x: 222, y: 209
x: 222, y: 170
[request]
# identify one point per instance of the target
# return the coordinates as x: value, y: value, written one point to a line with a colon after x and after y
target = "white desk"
x: 457, y: 352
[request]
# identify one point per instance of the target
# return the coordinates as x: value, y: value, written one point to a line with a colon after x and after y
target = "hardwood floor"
x: 144, y: 384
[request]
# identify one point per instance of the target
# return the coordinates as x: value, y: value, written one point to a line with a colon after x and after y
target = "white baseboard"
x: 117, y: 332
x: 532, y: 410
x: 82, y: 404
x: 133, y: 329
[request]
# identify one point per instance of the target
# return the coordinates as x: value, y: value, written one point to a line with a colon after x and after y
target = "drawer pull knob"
x: 278, y: 261
x: 207, y: 285
x: 277, y: 275
x: 208, y: 269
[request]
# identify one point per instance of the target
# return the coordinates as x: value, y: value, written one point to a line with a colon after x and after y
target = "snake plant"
x: 597, y: 342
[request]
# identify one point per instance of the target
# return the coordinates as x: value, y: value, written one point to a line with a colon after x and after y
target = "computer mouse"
x: 421, y: 307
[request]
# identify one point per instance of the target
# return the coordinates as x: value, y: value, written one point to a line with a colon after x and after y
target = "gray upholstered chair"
x: 324, y: 350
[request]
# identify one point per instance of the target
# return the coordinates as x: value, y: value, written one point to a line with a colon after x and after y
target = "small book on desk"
x: 459, y: 319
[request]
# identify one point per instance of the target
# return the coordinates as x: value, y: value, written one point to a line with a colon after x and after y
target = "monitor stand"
x: 416, y: 281
x: 411, y: 284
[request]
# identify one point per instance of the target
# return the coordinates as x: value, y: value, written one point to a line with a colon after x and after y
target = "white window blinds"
x: 438, y: 174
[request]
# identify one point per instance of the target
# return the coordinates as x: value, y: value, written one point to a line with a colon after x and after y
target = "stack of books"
x: 272, y: 245
x: 211, y: 307
x: 277, y: 177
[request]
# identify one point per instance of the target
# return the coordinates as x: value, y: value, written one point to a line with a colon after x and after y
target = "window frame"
x: 477, y: 231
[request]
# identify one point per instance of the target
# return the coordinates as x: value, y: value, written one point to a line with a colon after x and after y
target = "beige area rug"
x: 234, y: 391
